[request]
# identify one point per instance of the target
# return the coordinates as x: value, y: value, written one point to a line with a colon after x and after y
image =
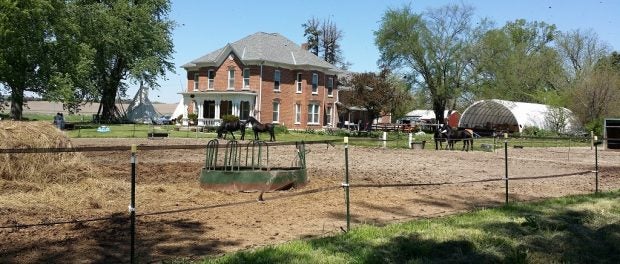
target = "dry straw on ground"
x: 39, y: 168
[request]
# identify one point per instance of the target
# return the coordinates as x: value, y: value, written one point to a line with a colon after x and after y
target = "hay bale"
x: 39, y: 167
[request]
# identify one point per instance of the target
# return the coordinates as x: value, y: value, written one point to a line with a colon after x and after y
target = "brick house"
x: 264, y: 75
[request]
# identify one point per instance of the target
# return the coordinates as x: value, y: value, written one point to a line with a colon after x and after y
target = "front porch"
x: 211, y: 107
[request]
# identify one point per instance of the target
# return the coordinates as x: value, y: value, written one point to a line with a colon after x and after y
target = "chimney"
x: 304, y: 46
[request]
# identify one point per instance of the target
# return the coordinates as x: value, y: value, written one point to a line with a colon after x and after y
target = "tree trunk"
x: 109, y: 112
x: 108, y: 103
x: 438, y: 108
x: 17, y: 103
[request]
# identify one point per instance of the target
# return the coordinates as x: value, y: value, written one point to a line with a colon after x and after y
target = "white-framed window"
x: 276, y: 112
x: 246, y: 78
x: 211, y: 77
x: 298, y: 82
x: 196, y: 79
x: 276, y: 80
x: 313, y: 114
x: 330, y: 86
x: 315, y: 83
x: 297, y: 113
x: 231, y: 78
x: 328, y: 115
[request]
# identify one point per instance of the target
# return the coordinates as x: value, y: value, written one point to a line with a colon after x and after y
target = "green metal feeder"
x: 247, y: 169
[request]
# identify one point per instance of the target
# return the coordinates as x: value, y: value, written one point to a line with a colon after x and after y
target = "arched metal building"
x: 500, y: 115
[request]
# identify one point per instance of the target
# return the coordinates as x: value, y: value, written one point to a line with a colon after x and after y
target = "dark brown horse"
x: 466, y: 135
x: 258, y: 127
x: 226, y: 127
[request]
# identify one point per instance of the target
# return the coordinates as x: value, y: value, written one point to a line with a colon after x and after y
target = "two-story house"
x: 264, y: 75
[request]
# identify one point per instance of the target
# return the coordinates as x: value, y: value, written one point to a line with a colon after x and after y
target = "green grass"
x: 576, y: 229
x: 394, y: 139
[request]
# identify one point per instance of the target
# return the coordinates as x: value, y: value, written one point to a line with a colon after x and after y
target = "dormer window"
x: 231, y: 78
x: 211, y: 76
x: 196, y: 79
x: 246, y: 78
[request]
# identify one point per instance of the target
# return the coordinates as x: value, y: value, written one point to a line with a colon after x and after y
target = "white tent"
x: 425, y: 114
x: 179, y: 109
x: 514, y: 116
x: 141, y: 110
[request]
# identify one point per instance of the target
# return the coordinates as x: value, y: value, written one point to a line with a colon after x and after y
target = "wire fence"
x: 346, y: 185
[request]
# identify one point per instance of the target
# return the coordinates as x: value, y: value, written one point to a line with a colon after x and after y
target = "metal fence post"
x: 346, y: 181
x: 132, y: 206
x: 596, y: 166
x: 506, y: 166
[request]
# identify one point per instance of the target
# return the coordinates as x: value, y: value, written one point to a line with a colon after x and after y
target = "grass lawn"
x: 576, y: 229
x: 394, y: 139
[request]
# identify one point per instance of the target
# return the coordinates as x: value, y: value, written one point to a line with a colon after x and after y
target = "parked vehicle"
x: 164, y: 120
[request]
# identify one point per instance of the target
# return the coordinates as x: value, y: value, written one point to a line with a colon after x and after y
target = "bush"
x: 230, y: 118
x: 537, y: 132
x: 595, y: 125
x: 280, y: 129
x: 193, y: 118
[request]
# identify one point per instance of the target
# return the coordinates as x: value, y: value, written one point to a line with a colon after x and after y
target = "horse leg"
x: 256, y: 135
x: 233, y: 135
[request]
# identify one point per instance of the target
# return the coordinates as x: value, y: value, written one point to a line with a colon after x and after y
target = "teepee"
x: 141, y: 110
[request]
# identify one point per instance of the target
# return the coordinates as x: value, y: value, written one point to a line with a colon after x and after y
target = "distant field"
x: 45, y: 107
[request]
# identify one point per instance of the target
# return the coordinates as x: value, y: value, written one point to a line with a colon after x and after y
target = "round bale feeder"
x: 246, y: 168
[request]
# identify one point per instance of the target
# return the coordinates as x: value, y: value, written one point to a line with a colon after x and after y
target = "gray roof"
x: 271, y: 48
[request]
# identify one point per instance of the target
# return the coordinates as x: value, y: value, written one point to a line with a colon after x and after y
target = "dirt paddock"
x: 178, y: 219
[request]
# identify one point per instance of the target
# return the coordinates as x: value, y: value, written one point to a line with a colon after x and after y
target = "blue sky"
x: 204, y: 26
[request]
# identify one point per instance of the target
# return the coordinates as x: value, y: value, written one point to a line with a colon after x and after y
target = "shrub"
x: 193, y: 118
x: 280, y: 129
x: 230, y: 118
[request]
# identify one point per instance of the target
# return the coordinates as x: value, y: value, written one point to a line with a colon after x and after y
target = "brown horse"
x: 466, y: 135
x: 258, y: 127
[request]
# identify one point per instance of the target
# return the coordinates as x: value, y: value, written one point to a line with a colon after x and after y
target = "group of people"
x: 59, y: 121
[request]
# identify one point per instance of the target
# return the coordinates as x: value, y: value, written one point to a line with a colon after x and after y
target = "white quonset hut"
x: 500, y: 115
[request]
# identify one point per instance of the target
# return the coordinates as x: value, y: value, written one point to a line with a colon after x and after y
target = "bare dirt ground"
x: 206, y: 223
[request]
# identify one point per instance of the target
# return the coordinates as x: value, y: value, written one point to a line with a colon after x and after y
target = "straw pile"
x: 39, y: 168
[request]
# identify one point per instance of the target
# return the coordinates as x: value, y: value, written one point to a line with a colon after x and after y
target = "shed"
x: 612, y: 133
x: 501, y: 115
x: 428, y: 116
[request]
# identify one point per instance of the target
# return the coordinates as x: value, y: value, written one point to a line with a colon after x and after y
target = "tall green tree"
x: 580, y: 50
x: 27, y: 37
x: 131, y: 40
x: 516, y: 62
x: 433, y: 46
x: 379, y: 94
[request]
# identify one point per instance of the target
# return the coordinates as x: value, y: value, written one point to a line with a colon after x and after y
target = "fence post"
x: 132, y: 206
x: 569, y: 143
x: 410, y: 140
x: 596, y: 164
x: 384, y: 138
x: 346, y: 180
x: 506, y: 166
x: 591, y: 139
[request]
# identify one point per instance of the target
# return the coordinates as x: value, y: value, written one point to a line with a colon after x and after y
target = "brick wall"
x: 287, y: 96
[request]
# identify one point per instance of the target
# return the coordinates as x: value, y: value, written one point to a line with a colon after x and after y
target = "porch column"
x: 201, y: 120
x: 217, y: 111
x: 235, y: 105
x: 185, y: 119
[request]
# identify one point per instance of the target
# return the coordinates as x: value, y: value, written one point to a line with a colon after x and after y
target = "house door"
x: 209, y: 109
x: 225, y: 108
